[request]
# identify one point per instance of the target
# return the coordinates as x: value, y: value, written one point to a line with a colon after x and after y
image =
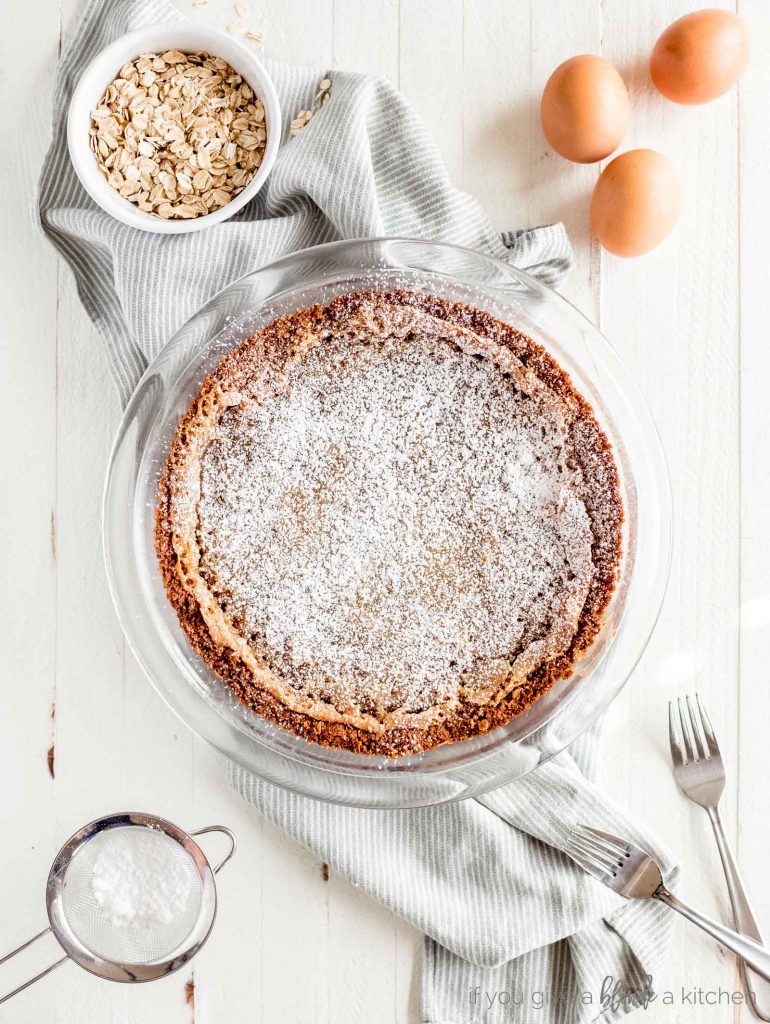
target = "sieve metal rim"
x: 129, y: 972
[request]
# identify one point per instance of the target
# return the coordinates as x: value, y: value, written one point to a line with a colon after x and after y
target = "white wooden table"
x: 82, y: 732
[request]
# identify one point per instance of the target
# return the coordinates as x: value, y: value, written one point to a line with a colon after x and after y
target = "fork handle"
x: 745, y: 922
x: 752, y: 953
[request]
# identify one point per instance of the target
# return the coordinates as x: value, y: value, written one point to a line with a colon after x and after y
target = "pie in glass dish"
x: 389, y: 523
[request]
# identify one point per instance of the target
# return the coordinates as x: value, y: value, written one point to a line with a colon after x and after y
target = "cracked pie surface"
x: 389, y: 523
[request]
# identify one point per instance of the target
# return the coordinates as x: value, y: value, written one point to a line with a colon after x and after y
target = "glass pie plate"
x: 454, y: 771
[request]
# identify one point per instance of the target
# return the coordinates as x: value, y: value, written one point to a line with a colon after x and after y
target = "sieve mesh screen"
x: 132, y: 894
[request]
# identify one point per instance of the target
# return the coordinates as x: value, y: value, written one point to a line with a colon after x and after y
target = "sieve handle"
x: 37, y: 977
x: 225, y: 831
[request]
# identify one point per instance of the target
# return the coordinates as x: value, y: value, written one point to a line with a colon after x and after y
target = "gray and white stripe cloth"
x: 514, y: 932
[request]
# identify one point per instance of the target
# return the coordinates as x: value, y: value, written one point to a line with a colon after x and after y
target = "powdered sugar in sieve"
x: 130, y: 897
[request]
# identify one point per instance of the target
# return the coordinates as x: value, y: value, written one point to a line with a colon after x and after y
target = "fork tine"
x: 673, y: 737
x: 708, y: 729
x: 688, y: 751
x: 589, y: 858
x: 591, y: 849
x: 616, y: 847
x: 582, y: 861
x: 601, y: 846
x: 700, y: 746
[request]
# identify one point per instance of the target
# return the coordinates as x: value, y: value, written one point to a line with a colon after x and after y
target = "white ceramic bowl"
x: 102, y: 70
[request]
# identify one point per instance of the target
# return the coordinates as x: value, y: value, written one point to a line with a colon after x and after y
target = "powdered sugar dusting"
x: 401, y: 525
x: 140, y: 878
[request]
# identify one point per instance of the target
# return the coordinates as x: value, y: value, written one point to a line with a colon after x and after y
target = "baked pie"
x: 389, y: 523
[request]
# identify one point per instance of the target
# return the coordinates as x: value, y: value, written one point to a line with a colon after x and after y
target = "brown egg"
x: 585, y: 109
x: 700, y: 56
x: 636, y: 202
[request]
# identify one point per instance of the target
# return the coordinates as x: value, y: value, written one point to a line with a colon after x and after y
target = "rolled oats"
x: 322, y: 97
x: 179, y: 135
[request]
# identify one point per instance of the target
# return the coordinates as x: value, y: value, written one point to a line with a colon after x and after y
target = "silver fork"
x: 700, y: 774
x: 632, y: 873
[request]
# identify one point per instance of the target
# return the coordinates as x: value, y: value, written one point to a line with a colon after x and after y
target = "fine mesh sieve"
x: 160, y: 910
x: 130, y: 942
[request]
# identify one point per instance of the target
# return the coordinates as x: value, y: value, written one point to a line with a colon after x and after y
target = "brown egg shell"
x: 585, y: 109
x: 700, y: 56
x: 635, y: 203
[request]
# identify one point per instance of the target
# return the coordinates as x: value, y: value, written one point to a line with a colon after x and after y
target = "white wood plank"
x: 554, y: 188
x: 262, y: 963
x: 754, y: 614
x: 118, y: 748
x: 674, y: 316
x: 100, y: 729
x: 431, y: 74
x: 298, y: 31
x: 497, y: 107
x: 28, y: 340
x: 364, y: 42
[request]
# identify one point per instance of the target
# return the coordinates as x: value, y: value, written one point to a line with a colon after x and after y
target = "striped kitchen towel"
x: 514, y: 932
